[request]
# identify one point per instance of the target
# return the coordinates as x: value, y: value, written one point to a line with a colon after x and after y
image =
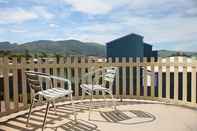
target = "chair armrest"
x: 62, y: 79
x: 91, y: 73
x: 37, y: 73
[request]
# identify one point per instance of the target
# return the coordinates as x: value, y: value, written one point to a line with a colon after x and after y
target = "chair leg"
x: 90, y: 105
x: 103, y: 93
x: 82, y: 97
x: 45, y: 116
x: 73, y: 106
x: 54, y: 107
x: 113, y: 100
x: 29, y: 114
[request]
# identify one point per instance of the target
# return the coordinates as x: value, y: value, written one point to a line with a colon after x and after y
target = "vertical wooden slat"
x: 168, y: 78
x: 184, y: 80
x: 55, y: 74
x: 103, y: 81
x: 39, y: 69
x: 47, y: 71
x: 110, y: 63
x: 6, y: 84
x: 24, y: 84
x: 76, y: 78
x: 117, y: 78
x: 90, y: 69
x: 145, y: 77
x: 15, y: 85
x: 62, y: 71
x: 152, y: 77
x: 138, y: 77
x: 39, y: 65
x: 176, y: 71
x: 193, y: 96
x: 31, y: 67
x: 124, y: 76
x: 131, y: 76
x: 62, y: 75
x: 69, y: 69
x: 82, y: 73
x: 160, y: 71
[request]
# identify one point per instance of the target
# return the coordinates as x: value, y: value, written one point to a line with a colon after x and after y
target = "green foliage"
x: 5, y: 53
x: 168, y: 53
x: 27, y: 54
x: 43, y: 55
x: 46, y: 48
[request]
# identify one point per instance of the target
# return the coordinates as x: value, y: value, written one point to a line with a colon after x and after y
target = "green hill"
x: 65, y: 47
x: 167, y: 53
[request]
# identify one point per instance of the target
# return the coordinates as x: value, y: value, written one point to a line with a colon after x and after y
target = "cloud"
x: 89, y: 6
x: 42, y: 12
x: 139, y: 7
x: 20, y: 15
x: 17, y: 15
x: 52, y: 25
x: 163, y: 32
x: 17, y: 30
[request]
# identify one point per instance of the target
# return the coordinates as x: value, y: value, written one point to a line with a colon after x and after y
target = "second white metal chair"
x: 108, y: 75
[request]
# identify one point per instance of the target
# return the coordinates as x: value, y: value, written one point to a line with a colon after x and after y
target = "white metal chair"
x: 50, y: 94
x: 108, y: 75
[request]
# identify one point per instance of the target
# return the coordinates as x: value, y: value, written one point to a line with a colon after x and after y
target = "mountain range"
x: 167, y: 53
x: 65, y: 47
x: 70, y: 47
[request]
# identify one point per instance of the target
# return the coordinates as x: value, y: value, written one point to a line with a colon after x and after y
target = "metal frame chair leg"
x: 90, y: 105
x: 29, y: 114
x: 103, y: 93
x: 83, y: 95
x: 54, y: 107
x: 113, y: 100
x: 45, y: 117
x: 74, y: 110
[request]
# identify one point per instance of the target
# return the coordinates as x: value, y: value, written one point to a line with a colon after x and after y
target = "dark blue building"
x: 131, y: 45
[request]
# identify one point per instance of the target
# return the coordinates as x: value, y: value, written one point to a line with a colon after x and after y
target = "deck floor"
x: 131, y: 116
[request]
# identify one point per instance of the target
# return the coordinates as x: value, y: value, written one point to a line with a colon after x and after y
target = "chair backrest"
x: 109, y: 74
x: 33, y: 80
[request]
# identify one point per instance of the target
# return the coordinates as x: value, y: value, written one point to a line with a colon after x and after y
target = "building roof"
x: 146, y: 44
x: 132, y: 35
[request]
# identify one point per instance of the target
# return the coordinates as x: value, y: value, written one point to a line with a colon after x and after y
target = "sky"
x: 166, y: 24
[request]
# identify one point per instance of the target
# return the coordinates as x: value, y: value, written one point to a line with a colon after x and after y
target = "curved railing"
x: 171, y: 80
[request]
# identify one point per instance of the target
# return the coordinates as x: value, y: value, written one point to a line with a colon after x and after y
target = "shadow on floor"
x: 80, y: 125
x: 128, y: 117
x: 64, y: 111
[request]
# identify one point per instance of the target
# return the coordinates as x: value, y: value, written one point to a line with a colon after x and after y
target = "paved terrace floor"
x: 132, y: 115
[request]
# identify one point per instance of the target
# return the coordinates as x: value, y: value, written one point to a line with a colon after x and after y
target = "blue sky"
x: 166, y: 24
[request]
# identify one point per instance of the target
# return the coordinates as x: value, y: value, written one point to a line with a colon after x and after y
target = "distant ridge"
x: 64, y: 47
x: 71, y: 47
x: 167, y: 53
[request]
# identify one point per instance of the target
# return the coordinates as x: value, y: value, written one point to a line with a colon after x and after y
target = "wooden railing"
x: 171, y: 80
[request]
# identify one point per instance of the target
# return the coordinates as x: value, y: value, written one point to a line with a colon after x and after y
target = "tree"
x: 57, y: 56
x: 43, y: 55
x: 35, y: 55
x: 27, y: 54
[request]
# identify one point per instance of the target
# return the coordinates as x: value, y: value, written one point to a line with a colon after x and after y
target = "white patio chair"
x: 50, y: 94
x: 108, y: 75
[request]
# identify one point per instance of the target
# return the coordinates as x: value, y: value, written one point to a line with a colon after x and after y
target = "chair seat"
x: 54, y: 93
x: 95, y: 87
